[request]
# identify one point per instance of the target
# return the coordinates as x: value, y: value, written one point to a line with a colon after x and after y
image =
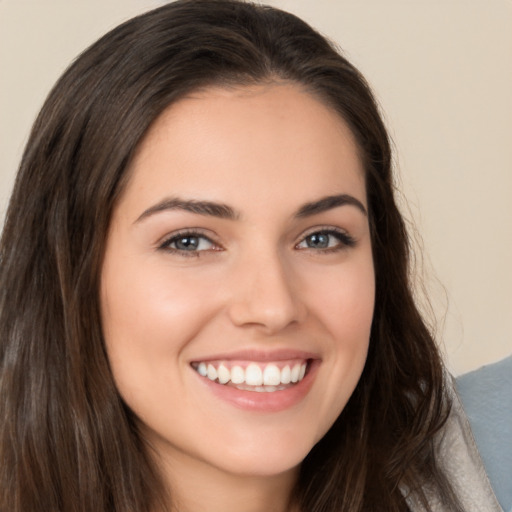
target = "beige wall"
x: 442, y: 71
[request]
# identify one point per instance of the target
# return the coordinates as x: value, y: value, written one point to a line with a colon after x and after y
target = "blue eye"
x: 326, y: 240
x: 188, y: 243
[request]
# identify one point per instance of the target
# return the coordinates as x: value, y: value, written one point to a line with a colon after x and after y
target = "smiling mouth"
x: 253, y: 376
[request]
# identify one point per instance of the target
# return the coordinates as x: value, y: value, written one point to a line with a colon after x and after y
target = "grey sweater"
x: 458, y: 456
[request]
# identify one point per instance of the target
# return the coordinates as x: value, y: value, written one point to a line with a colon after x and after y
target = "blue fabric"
x: 486, y: 395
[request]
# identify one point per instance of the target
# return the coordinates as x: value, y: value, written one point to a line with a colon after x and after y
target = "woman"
x: 205, y: 298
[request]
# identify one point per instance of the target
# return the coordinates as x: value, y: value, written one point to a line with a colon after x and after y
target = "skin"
x: 255, y: 283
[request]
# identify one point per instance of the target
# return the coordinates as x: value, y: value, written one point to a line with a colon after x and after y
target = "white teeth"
x: 212, y: 372
x: 256, y: 377
x: 201, y: 369
x: 253, y: 375
x: 237, y: 375
x: 295, y: 372
x: 223, y: 374
x: 271, y: 375
x: 286, y: 375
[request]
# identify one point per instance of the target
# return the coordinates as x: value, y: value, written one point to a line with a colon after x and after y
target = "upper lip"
x: 258, y: 355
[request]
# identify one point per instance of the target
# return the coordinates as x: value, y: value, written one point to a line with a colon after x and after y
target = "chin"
x: 268, y: 453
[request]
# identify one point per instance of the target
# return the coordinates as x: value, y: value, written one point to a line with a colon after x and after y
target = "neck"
x: 196, y: 487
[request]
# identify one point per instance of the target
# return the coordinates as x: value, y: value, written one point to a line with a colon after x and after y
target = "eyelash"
x: 181, y: 235
x: 343, y: 238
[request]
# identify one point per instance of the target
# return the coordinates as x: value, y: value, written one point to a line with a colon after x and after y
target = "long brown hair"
x: 67, y: 441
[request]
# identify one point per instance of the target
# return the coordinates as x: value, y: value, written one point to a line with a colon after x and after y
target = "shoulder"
x: 486, y: 395
x: 458, y: 459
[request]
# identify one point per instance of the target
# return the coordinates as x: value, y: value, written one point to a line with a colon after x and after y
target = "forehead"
x: 245, y: 142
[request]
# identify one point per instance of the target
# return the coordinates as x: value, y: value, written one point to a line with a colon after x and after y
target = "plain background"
x: 442, y: 71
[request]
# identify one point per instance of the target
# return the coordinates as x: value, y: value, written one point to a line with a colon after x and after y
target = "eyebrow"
x: 209, y: 208
x: 328, y: 203
x: 223, y: 211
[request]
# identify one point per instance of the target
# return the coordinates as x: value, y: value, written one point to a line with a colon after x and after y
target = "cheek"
x: 343, y: 298
x: 345, y: 310
x: 150, y: 301
x: 349, y: 317
x: 148, y: 318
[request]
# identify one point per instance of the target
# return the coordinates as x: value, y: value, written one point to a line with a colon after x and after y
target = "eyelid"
x: 164, y: 242
x: 345, y: 238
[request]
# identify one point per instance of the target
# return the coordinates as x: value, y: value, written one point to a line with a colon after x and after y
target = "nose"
x: 264, y: 295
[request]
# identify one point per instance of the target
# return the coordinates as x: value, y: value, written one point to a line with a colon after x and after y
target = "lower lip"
x: 273, y: 401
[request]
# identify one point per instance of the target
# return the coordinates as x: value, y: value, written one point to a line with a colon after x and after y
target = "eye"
x: 188, y: 243
x: 326, y: 240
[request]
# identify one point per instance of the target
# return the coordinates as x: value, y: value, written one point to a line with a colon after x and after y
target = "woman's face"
x: 237, y: 289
